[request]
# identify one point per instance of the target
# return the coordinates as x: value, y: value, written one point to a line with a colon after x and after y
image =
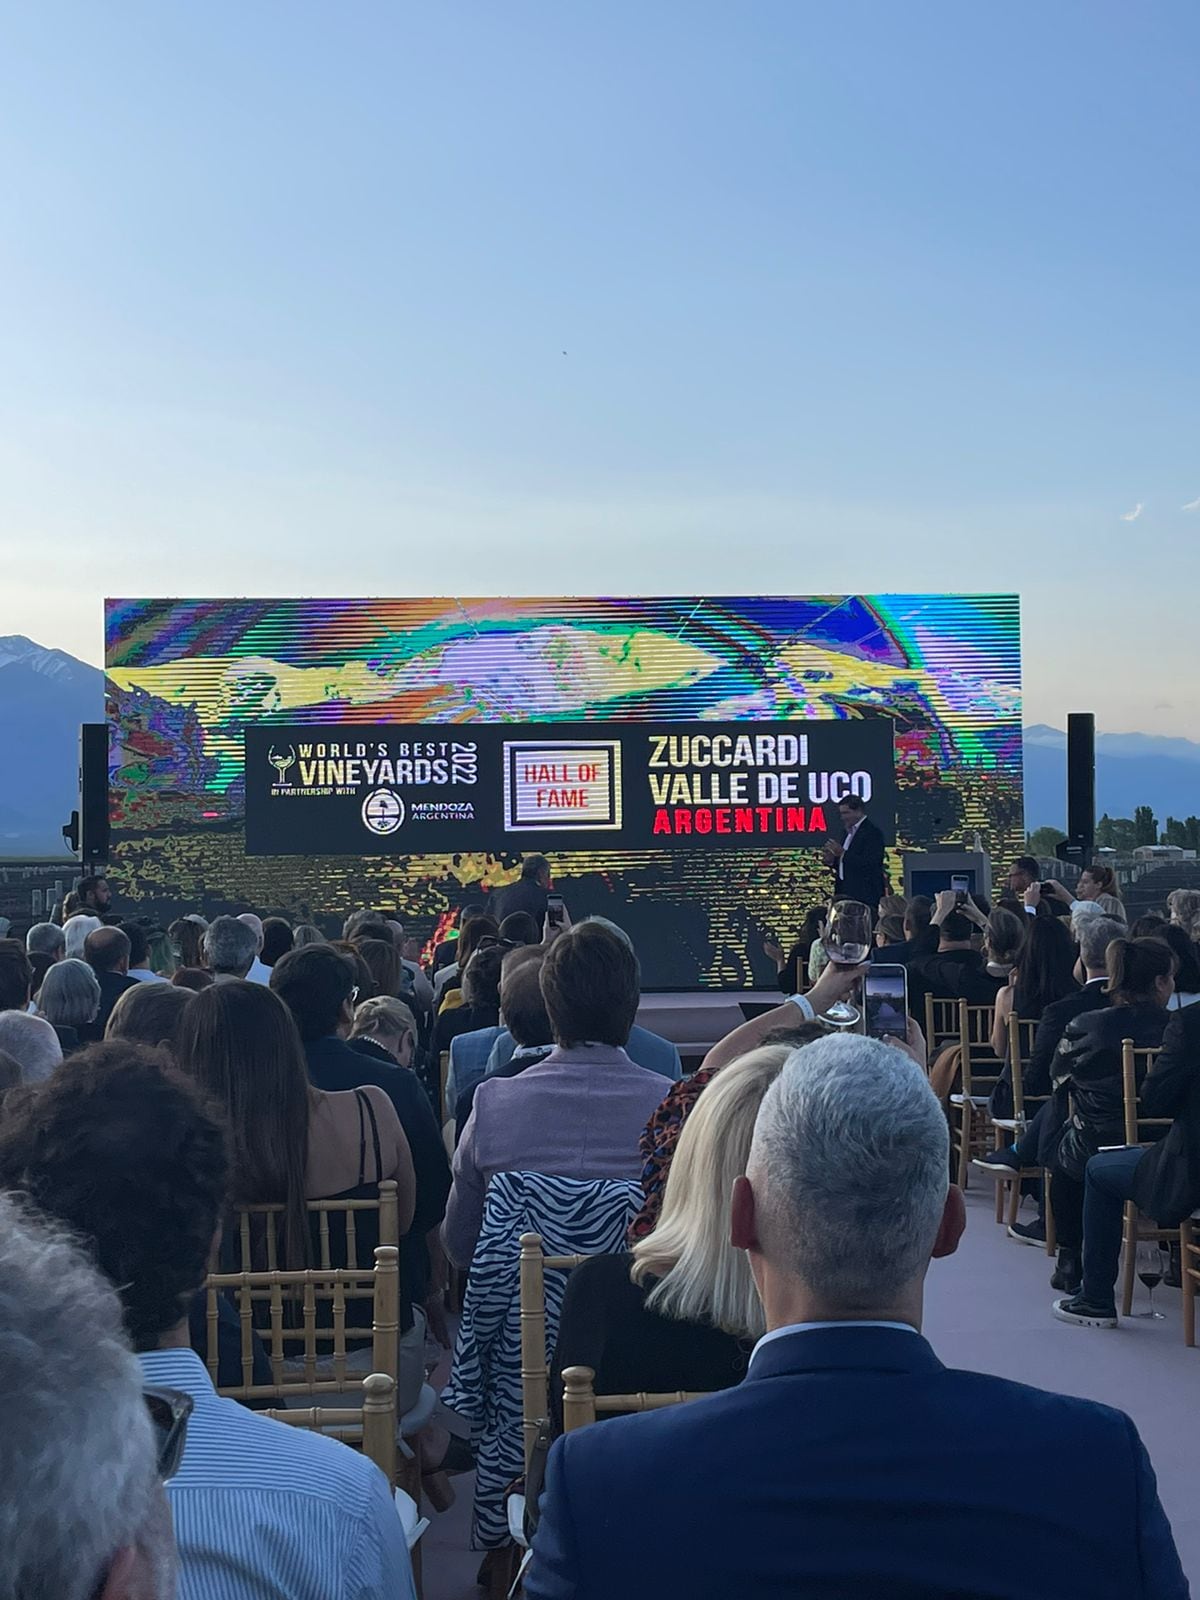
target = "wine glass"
x: 1151, y: 1266
x: 847, y: 941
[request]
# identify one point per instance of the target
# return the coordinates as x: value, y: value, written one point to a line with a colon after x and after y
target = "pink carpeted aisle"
x: 988, y: 1308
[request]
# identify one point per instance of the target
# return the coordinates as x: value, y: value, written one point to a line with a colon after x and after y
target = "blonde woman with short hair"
x: 387, y: 1024
x: 680, y: 1311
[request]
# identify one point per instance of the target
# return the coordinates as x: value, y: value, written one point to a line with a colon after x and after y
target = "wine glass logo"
x: 281, y: 761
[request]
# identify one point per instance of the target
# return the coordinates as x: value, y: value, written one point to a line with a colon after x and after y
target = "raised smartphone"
x: 885, y: 997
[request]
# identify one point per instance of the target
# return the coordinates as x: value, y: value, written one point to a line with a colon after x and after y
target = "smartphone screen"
x: 554, y: 908
x: 960, y: 884
x: 885, y: 991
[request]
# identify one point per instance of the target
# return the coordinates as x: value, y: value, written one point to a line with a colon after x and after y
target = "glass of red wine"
x: 847, y: 941
x: 1151, y: 1267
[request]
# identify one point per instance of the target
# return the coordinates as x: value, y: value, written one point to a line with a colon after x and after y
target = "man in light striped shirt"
x: 128, y: 1155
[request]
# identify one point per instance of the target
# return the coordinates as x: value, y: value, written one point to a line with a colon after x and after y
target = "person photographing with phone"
x: 857, y: 859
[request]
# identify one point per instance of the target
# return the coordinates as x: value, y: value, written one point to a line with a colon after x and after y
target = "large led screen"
x: 679, y: 760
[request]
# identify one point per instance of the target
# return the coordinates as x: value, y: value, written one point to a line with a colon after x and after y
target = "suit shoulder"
x: 1067, y: 1416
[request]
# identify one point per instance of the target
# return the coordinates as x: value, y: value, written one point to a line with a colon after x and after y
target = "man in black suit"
x: 1163, y: 1179
x: 106, y: 951
x: 529, y: 893
x: 857, y: 861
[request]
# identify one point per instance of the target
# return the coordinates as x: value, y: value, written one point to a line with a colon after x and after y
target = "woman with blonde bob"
x: 680, y: 1311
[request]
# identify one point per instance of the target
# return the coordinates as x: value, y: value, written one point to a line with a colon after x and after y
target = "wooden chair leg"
x: 1129, y: 1264
x: 966, y: 1110
x: 1001, y: 1196
x: 1189, y: 1283
x: 1051, y: 1230
x: 1014, y: 1201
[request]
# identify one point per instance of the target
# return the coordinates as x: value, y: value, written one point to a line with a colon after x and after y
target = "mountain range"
x: 45, y: 694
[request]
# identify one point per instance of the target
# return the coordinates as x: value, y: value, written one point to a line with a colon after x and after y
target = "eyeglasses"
x: 169, y: 1412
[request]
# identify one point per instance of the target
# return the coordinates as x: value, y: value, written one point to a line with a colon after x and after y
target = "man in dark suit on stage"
x: 529, y: 893
x: 850, y: 1463
x: 857, y: 861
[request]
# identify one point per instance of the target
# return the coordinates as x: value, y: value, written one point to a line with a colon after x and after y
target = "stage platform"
x: 695, y: 1022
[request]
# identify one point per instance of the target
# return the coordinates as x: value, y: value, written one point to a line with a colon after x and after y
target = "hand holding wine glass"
x: 847, y: 941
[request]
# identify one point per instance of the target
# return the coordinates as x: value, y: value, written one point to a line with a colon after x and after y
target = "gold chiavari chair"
x: 1189, y: 1261
x: 981, y: 1069
x: 535, y: 1365
x: 1136, y: 1229
x: 582, y: 1405
x: 942, y: 1025
x: 1021, y: 1032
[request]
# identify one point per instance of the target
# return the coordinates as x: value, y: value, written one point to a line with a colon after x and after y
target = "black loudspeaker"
x: 93, y: 794
x: 1081, y: 781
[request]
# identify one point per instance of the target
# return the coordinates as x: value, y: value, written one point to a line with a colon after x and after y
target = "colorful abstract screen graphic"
x: 212, y: 701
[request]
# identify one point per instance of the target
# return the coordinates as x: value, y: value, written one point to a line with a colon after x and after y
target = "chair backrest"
x: 373, y: 1425
x: 335, y: 1229
x: 307, y: 1355
x: 1136, y: 1125
x: 581, y: 1404
x: 981, y: 1068
x: 535, y: 1369
x: 1021, y: 1032
x: 941, y: 1023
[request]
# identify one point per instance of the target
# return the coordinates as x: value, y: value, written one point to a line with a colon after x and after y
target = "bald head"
x: 107, y: 950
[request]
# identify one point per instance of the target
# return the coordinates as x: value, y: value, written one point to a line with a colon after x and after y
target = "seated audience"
x: 477, y: 933
x: 957, y: 970
x: 471, y: 1051
x: 76, y: 931
x: 386, y: 1030
x: 194, y: 978
x: 139, y: 968
x: 1184, y: 908
x: 680, y: 1311
x: 382, y: 959
x: 578, y: 1113
x: 792, y: 966
x: 69, y: 999
x: 16, y: 976
x: 1042, y: 975
x: 230, y: 949
x: 1148, y: 926
x: 1096, y: 934
x: 889, y: 931
x: 1003, y: 940
x: 150, y: 1014
x: 187, y: 938
x: 292, y: 1143
x: 1187, y: 966
x: 519, y: 929
x: 305, y: 933
x: 1097, y: 886
x: 39, y: 966
x: 660, y: 1136
x: 258, y: 971
x: 277, y: 940
x: 45, y: 939
x: 1163, y: 1180
x: 846, y: 1406
x: 95, y: 895
x: 316, y: 985
x: 84, y: 1449
x: 480, y: 1006
x: 289, y: 1512
x: 32, y: 1043
x: 1087, y: 1066
x: 107, y: 953
x: 523, y: 1010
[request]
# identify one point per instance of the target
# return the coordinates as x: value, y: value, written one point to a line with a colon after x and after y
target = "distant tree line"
x: 1124, y: 834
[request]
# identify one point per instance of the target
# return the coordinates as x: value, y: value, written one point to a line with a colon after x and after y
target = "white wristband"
x: 803, y: 1005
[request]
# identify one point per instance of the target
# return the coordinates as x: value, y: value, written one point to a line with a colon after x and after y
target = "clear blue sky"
x: 852, y: 297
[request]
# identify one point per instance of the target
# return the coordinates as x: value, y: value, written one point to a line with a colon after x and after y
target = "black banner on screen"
x: 434, y: 789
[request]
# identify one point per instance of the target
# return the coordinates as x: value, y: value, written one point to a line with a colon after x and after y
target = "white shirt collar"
x: 819, y: 1327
